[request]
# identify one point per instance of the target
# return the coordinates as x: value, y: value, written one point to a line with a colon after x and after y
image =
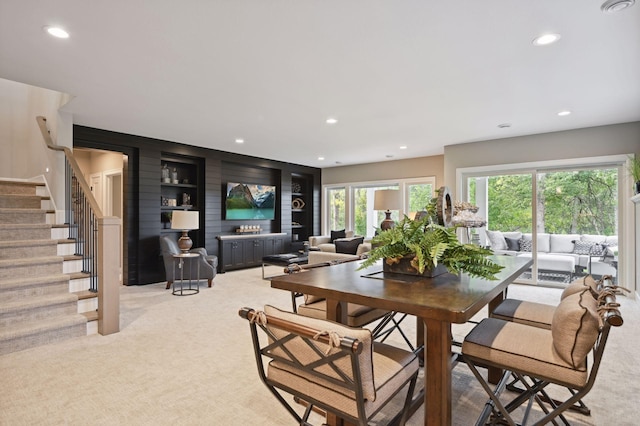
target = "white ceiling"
x: 419, y: 73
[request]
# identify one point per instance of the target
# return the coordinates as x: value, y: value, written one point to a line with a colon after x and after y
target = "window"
x: 336, y: 213
x: 350, y: 206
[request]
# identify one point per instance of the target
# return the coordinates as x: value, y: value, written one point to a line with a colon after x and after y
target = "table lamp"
x: 185, y: 220
x: 387, y: 200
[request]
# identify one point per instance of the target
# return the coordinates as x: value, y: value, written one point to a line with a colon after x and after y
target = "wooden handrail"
x: 42, y: 123
x: 100, y: 244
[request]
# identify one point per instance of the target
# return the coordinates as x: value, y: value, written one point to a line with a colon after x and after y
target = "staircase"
x: 37, y: 273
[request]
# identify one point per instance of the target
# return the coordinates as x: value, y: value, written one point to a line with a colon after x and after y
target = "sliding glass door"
x: 564, y: 219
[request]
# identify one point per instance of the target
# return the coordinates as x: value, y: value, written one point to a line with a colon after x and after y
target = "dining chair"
x: 539, y: 357
x: 357, y: 315
x: 334, y: 367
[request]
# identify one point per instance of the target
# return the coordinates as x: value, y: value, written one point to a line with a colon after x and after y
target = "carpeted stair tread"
x: 19, y: 215
x: 27, y: 243
x: 19, y: 187
x: 36, y: 302
x: 7, y: 263
x: 17, y: 226
x: 10, y: 284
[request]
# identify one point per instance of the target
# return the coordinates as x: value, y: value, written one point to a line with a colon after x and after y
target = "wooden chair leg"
x: 210, y: 281
x: 168, y: 285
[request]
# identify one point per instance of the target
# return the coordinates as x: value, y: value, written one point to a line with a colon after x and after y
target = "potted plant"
x: 634, y: 170
x: 419, y: 247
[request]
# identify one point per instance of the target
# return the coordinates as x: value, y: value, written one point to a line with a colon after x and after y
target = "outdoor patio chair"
x: 540, y: 357
x: 327, y: 365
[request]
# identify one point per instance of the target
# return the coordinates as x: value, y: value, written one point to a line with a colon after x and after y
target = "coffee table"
x: 283, y: 259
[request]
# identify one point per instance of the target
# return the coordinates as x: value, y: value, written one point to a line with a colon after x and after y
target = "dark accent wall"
x: 142, y: 194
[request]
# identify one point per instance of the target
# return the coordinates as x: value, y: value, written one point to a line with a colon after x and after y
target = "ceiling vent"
x: 612, y: 6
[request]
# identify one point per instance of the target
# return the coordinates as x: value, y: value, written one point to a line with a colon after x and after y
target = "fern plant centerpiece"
x: 425, y: 246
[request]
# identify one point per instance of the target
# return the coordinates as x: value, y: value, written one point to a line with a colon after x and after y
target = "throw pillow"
x: 496, y: 239
x: 526, y: 245
x: 348, y: 246
x: 338, y: 234
x: 512, y: 243
x: 582, y: 247
x: 575, y: 327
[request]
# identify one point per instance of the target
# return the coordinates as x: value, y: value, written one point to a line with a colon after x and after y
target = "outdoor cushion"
x: 512, y: 243
x: 562, y: 243
x: 497, y: 240
x: 575, y: 327
x: 526, y: 245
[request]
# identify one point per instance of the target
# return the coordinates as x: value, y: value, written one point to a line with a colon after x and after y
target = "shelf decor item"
x: 297, y: 203
x: 422, y: 248
x: 185, y: 221
x: 165, y: 174
x: 174, y: 176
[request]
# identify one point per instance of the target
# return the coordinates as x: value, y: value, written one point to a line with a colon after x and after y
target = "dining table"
x: 438, y: 301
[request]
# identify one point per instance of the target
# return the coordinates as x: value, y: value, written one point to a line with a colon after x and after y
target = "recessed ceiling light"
x: 57, y: 32
x: 320, y: 158
x: 389, y: 156
x: 504, y: 125
x: 545, y: 39
x: 239, y: 140
x: 564, y: 113
x: 331, y: 120
x: 403, y: 147
x: 612, y: 6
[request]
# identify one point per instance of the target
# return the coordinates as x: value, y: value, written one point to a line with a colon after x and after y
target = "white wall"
x: 25, y: 155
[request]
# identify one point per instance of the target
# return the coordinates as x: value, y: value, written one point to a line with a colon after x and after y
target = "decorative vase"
x: 638, y: 187
x: 404, y: 267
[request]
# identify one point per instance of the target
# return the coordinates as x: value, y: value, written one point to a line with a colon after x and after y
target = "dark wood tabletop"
x: 447, y: 297
x: 438, y: 301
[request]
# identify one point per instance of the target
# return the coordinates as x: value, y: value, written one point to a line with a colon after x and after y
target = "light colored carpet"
x: 188, y: 361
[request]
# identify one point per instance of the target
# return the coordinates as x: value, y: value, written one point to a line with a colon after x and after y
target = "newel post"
x: 108, y: 275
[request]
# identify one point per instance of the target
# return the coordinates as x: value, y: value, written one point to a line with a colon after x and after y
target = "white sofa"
x: 571, y: 253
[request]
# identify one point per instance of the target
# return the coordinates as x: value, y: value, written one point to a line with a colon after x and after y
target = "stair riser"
x: 15, y: 189
x: 24, y: 234
x: 29, y: 341
x: 22, y: 217
x: 16, y: 293
x: 79, y: 284
x: 31, y: 251
x: 59, y: 233
x: 10, y: 202
x: 33, y: 270
x: 41, y: 313
x: 65, y: 249
x: 87, y: 305
x: 71, y: 266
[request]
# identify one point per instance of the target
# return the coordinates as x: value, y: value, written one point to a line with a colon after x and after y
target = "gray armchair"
x: 208, y: 264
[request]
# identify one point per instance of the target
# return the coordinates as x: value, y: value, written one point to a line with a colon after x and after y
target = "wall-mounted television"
x: 250, y: 201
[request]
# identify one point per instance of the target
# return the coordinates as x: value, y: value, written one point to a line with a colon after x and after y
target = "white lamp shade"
x: 387, y: 199
x: 185, y: 220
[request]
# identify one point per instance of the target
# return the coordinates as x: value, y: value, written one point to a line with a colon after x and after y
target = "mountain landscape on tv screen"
x: 245, y: 201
